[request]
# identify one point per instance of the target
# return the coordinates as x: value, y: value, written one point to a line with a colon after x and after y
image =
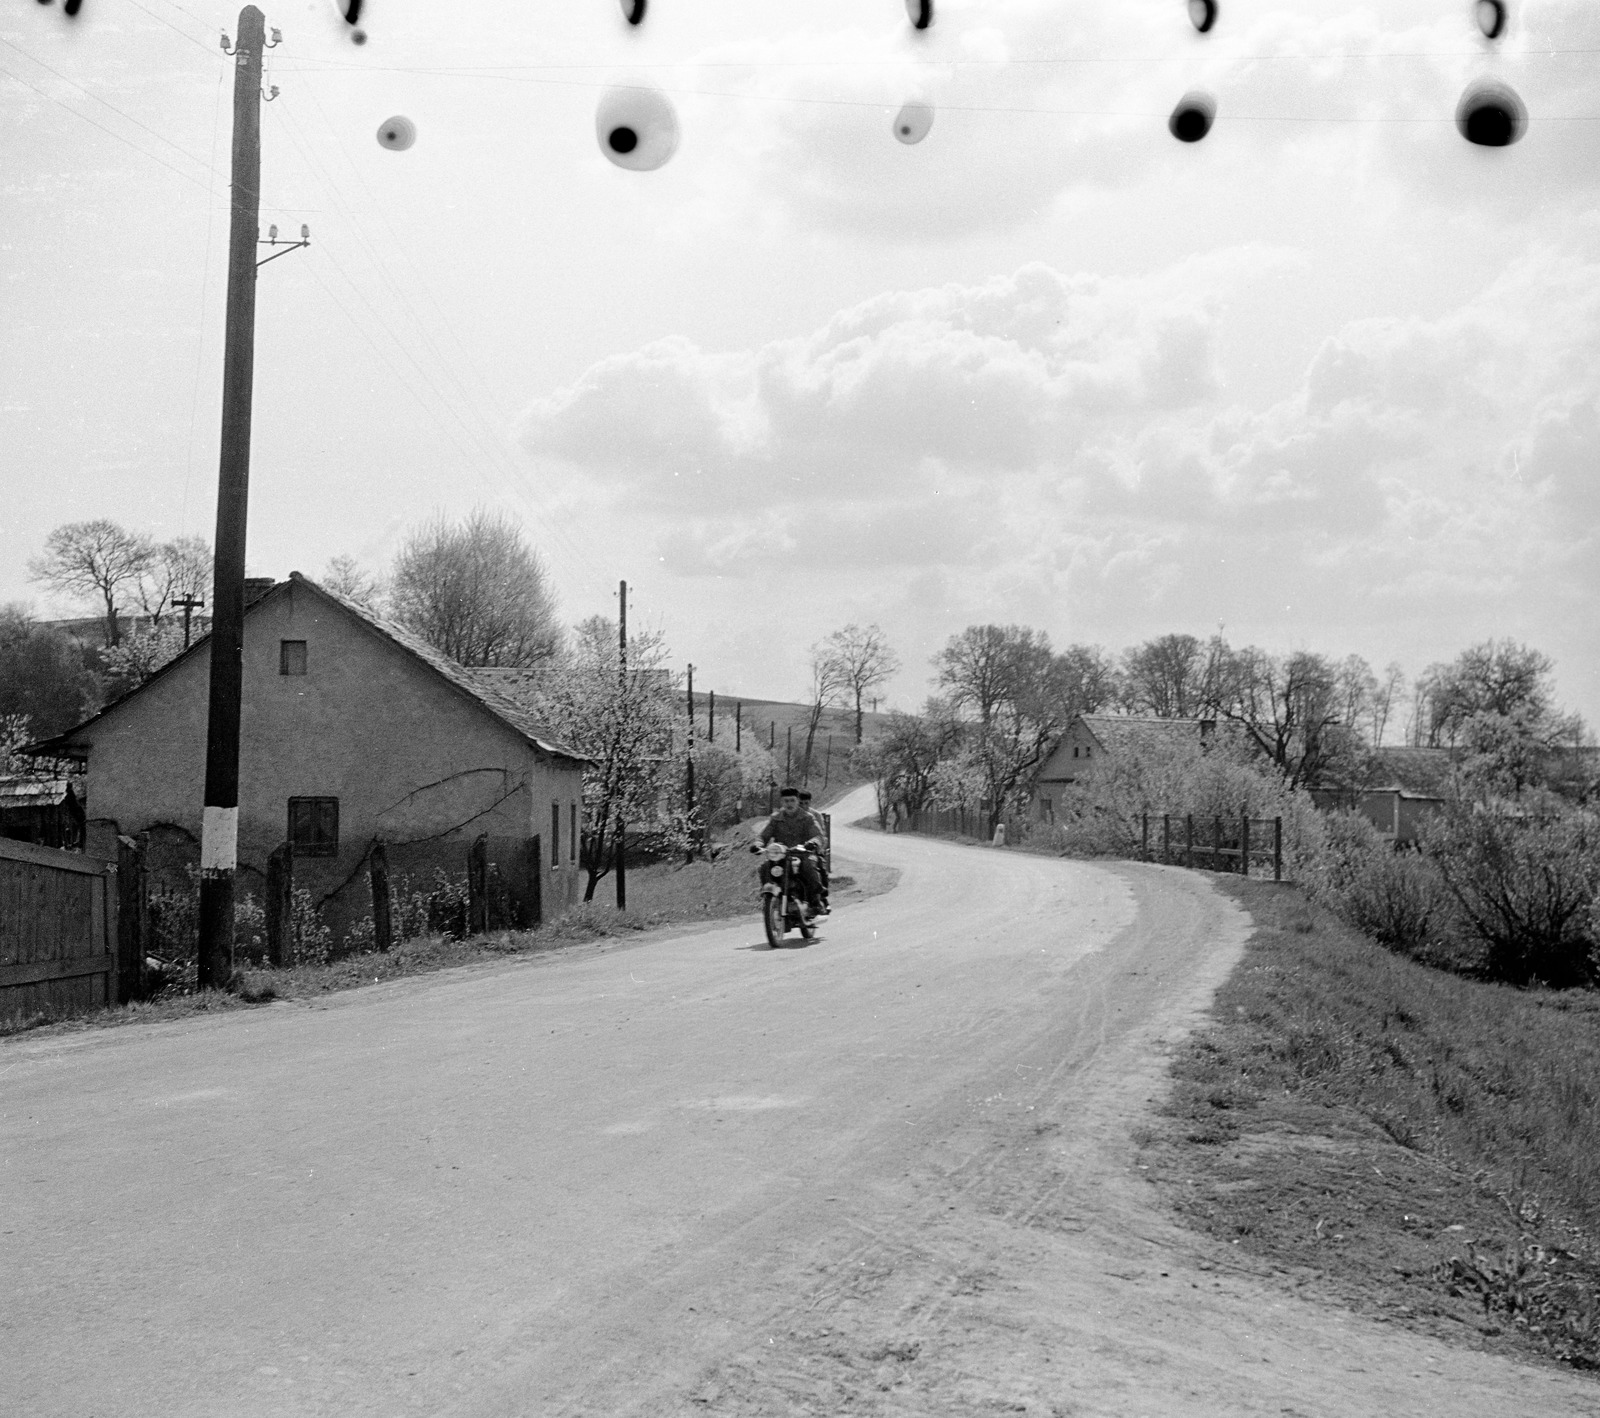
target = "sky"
x: 1328, y: 379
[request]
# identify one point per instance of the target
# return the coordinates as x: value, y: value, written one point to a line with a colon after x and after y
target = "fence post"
x: 1216, y: 844
x: 382, y: 917
x: 478, y: 885
x: 133, y: 922
x: 1144, y: 837
x: 1188, y: 839
x: 280, y: 906
x: 1166, y: 838
x: 1244, y: 845
x: 1277, y: 849
x: 535, y: 867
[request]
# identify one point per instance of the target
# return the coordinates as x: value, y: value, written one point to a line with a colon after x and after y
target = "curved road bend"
x: 887, y: 1173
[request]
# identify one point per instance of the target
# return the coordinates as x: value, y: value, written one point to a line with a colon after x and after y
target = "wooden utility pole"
x: 738, y: 726
x: 188, y: 605
x: 688, y: 793
x: 219, y: 833
x: 622, y: 686
x: 711, y: 717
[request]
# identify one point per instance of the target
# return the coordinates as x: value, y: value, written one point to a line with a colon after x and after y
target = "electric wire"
x: 126, y: 117
x: 205, y: 291
x: 500, y: 420
x: 112, y: 132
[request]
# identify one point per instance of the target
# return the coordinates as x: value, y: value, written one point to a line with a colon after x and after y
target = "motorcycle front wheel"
x: 808, y: 929
x: 772, y: 918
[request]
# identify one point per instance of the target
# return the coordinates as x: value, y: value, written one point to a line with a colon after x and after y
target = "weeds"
x: 1409, y: 1110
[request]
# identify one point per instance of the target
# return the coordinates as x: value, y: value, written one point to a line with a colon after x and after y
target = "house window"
x: 314, y: 827
x: 572, y: 835
x: 1074, y: 751
x: 555, y: 834
x: 291, y: 657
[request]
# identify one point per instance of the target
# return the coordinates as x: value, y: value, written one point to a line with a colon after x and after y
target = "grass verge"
x: 664, y: 894
x: 1424, y: 1146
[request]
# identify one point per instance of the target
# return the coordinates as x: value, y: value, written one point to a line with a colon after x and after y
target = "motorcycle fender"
x: 770, y: 890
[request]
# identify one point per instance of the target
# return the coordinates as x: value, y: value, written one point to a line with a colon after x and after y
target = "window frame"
x: 555, y: 834
x: 284, y: 659
x: 329, y: 848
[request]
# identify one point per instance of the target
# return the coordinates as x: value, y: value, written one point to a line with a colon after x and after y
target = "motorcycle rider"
x: 795, y: 828
x: 824, y: 866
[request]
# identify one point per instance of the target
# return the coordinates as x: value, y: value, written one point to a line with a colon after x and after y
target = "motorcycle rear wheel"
x: 772, y: 919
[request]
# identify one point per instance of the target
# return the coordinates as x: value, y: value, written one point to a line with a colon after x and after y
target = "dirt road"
x: 888, y: 1173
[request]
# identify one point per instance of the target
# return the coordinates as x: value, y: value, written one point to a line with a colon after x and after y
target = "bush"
x: 1526, y: 888
x: 1398, y: 899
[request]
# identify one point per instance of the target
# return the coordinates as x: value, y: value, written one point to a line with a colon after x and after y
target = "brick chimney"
x: 255, y: 587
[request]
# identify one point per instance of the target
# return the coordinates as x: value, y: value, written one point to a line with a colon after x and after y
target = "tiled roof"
x: 468, y: 681
x: 33, y: 792
x: 1120, y: 733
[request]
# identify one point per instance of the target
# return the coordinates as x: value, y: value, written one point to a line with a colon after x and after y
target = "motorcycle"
x: 783, y: 893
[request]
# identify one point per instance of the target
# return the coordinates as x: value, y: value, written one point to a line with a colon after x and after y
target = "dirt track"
x: 889, y: 1173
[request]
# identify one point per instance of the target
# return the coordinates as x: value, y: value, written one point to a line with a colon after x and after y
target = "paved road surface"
x: 888, y: 1173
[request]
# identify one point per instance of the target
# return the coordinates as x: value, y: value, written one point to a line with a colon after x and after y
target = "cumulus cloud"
x: 1062, y: 450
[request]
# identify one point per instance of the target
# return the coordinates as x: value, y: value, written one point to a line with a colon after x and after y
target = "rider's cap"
x: 788, y: 792
x: 805, y: 797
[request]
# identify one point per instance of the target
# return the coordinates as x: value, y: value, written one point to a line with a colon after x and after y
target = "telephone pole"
x: 188, y: 605
x: 219, y: 833
x: 622, y: 688
x: 688, y: 796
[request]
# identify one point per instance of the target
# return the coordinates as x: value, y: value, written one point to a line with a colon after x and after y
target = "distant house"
x: 1093, y: 741
x: 1403, y: 788
x: 354, y: 731
x: 46, y: 811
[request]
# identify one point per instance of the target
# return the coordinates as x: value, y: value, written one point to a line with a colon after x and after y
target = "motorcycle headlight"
x: 775, y: 851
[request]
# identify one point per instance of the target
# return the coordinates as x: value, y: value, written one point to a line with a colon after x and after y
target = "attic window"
x: 314, y: 827
x: 1074, y: 751
x: 291, y: 657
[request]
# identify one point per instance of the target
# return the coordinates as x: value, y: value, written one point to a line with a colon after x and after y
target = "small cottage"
x: 353, y: 732
x: 1093, y: 741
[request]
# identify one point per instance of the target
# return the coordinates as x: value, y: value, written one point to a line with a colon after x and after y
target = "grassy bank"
x: 1424, y: 1146
x: 662, y: 895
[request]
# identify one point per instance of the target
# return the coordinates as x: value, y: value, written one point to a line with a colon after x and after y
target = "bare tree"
x: 96, y: 558
x: 1090, y: 674
x: 477, y: 591
x: 1354, y: 687
x: 1384, y: 699
x: 1289, y: 705
x: 1021, y: 693
x: 179, y: 570
x: 828, y: 686
x: 345, y: 576
x: 1163, y: 677
x: 862, y: 660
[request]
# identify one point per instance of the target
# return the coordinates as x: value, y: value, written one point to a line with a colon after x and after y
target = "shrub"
x: 1398, y: 899
x: 1527, y: 889
x: 312, y: 939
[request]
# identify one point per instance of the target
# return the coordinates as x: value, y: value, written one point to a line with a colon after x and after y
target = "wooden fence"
x: 1229, y: 844
x: 58, y: 932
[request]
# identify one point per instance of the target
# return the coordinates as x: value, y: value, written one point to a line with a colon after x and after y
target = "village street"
x: 886, y: 1173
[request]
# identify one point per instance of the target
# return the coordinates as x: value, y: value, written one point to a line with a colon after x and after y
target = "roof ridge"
x: 463, y: 677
